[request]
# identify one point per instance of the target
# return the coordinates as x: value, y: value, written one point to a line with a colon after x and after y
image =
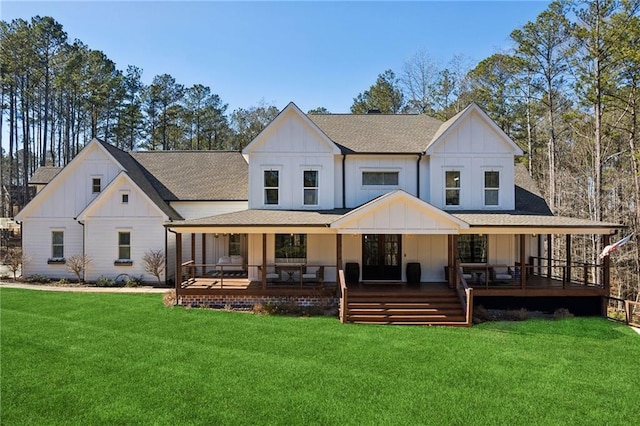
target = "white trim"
x: 267, y: 168
x: 446, y: 169
x: 316, y: 169
x: 499, y: 189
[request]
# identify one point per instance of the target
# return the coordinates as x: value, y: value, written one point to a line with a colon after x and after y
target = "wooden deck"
x: 536, y: 286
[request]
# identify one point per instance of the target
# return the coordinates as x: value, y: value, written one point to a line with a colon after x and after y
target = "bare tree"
x: 15, y: 259
x: 154, y: 263
x: 78, y: 264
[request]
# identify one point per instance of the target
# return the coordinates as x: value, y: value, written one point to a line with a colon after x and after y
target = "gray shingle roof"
x: 529, y: 220
x: 44, y: 174
x: 255, y: 217
x: 378, y: 133
x: 196, y: 175
x: 141, y: 177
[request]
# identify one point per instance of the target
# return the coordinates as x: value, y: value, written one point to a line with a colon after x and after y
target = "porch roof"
x: 513, y: 222
x: 265, y: 218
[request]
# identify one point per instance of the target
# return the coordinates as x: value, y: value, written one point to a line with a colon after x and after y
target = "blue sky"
x: 313, y: 53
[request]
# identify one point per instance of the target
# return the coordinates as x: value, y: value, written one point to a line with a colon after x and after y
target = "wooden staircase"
x: 406, y: 308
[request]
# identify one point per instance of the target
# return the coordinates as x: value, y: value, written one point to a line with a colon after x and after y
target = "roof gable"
x: 89, y: 149
x: 467, y: 122
x: 112, y: 190
x: 291, y: 112
x: 398, y: 212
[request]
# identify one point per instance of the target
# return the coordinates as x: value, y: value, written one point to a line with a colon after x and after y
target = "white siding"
x: 291, y: 168
x: 292, y: 147
x: 36, y: 240
x: 196, y: 209
x: 358, y: 194
x: 67, y: 197
x: 472, y: 147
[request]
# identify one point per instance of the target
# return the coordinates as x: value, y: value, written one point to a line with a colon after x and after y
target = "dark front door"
x: 381, y: 257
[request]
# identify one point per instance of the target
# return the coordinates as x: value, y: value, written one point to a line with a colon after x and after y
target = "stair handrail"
x: 465, y: 293
x: 343, y: 295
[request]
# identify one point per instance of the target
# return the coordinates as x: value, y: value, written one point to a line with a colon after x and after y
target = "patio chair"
x: 313, y: 274
x: 500, y: 273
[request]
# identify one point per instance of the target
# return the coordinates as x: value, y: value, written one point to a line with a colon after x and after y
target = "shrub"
x: 562, y: 313
x: 103, y: 281
x: 517, y: 315
x: 36, y: 278
x: 63, y: 281
x: 480, y: 314
x: 133, y: 281
x: 169, y: 298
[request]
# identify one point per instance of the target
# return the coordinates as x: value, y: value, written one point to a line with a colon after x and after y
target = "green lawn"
x: 69, y: 358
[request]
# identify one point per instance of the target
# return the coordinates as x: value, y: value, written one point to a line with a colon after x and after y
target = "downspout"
x: 166, y: 260
x: 344, y: 195
x: 84, y: 278
x: 418, y: 175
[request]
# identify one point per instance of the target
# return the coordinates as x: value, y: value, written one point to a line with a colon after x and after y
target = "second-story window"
x: 271, y: 186
x: 452, y: 188
x: 380, y: 178
x: 491, y: 188
x: 96, y: 185
x: 310, y: 182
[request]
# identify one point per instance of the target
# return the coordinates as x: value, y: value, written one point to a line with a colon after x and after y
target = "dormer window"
x: 491, y: 188
x: 271, y: 187
x: 96, y: 185
x: 452, y: 188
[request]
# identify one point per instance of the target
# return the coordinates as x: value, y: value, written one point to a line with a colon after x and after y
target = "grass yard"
x: 70, y: 358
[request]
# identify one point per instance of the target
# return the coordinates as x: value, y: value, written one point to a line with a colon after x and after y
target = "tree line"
x: 567, y: 92
x: 56, y: 95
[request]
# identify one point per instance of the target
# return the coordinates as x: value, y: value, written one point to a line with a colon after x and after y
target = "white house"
x: 356, y: 210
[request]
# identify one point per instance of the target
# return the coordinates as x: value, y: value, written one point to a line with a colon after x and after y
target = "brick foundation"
x: 247, y: 302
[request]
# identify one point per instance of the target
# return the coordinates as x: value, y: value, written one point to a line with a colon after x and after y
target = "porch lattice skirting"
x: 248, y: 302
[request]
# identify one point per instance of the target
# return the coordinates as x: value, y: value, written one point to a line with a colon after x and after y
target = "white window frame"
x: 382, y: 185
x: 271, y: 188
x: 311, y: 188
x: 452, y: 188
x: 119, y: 233
x: 124, y: 194
x: 93, y: 186
x: 53, y: 245
x: 485, y: 188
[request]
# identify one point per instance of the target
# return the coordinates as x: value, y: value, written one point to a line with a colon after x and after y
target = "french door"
x: 381, y: 257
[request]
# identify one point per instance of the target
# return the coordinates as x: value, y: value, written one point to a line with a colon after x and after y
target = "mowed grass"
x: 69, y: 358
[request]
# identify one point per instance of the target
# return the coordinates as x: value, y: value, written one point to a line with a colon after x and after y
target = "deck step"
x: 415, y: 308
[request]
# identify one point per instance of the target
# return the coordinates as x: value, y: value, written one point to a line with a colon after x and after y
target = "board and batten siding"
x: 37, y: 245
x: 472, y: 147
x: 292, y: 147
x: 101, y: 245
x: 67, y: 197
x: 358, y: 194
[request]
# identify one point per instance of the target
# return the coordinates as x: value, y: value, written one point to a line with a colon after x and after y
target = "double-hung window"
x: 235, y: 244
x: 310, y: 182
x: 96, y: 185
x: 271, y: 187
x: 452, y: 187
x: 491, y: 188
x: 57, y: 245
x: 124, y: 246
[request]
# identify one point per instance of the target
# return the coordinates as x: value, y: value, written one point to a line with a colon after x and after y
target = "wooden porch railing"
x: 342, y: 285
x: 623, y: 310
x: 587, y: 274
x: 287, y: 274
x: 465, y: 293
